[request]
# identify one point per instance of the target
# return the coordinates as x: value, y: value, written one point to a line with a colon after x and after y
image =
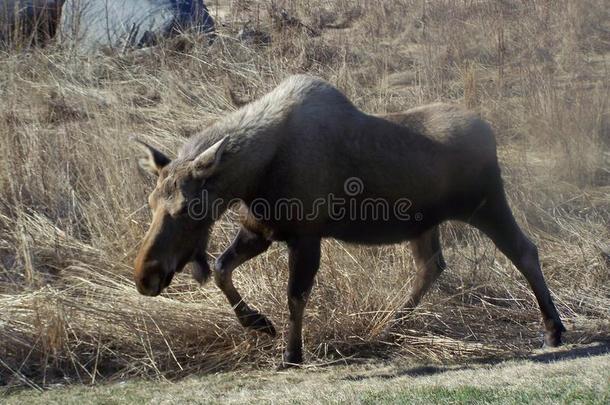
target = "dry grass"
x: 72, y: 201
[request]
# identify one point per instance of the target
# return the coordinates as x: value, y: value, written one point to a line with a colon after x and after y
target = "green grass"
x: 583, y: 380
x: 565, y: 393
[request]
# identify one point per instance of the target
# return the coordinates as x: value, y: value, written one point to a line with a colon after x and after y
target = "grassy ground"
x: 565, y: 376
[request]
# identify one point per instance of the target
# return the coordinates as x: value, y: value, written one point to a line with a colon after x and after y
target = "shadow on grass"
x: 598, y: 348
x: 420, y: 371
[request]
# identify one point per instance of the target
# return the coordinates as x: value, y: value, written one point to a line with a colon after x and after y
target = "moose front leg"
x: 245, y: 246
x: 303, y: 261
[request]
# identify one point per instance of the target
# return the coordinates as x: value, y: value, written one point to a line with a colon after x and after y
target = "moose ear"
x: 153, y: 161
x: 207, y: 162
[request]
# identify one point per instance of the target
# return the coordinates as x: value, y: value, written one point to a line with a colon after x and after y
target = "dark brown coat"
x: 397, y: 177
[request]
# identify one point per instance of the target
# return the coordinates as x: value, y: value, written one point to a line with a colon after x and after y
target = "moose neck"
x: 244, y: 164
x: 254, y: 133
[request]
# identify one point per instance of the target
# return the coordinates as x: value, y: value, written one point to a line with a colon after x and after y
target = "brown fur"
x: 305, y: 141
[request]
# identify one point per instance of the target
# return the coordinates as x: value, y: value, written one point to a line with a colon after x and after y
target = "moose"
x: 304, y: 141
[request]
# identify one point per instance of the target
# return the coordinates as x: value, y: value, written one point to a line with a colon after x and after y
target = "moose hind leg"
x: 496, y: 220
x: 245, y: 246
x: 303, y: 263
x: 430, y: 264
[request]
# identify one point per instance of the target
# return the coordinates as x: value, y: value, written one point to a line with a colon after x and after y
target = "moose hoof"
x: 291, y: 359
x: 258, y: 322
x: 552, y: 335
x: 553, y: 338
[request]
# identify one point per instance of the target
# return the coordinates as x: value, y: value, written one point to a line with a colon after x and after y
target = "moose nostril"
x: 148, y: 279
x: 149, y: 286
x: 142, y: 289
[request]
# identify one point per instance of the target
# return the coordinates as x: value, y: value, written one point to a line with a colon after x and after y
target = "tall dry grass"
x: 72, y: 201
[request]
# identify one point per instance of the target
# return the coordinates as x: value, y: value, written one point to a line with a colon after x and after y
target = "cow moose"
x: 305, y: 141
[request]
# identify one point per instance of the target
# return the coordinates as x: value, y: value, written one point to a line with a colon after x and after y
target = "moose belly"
x: 378, y: 232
